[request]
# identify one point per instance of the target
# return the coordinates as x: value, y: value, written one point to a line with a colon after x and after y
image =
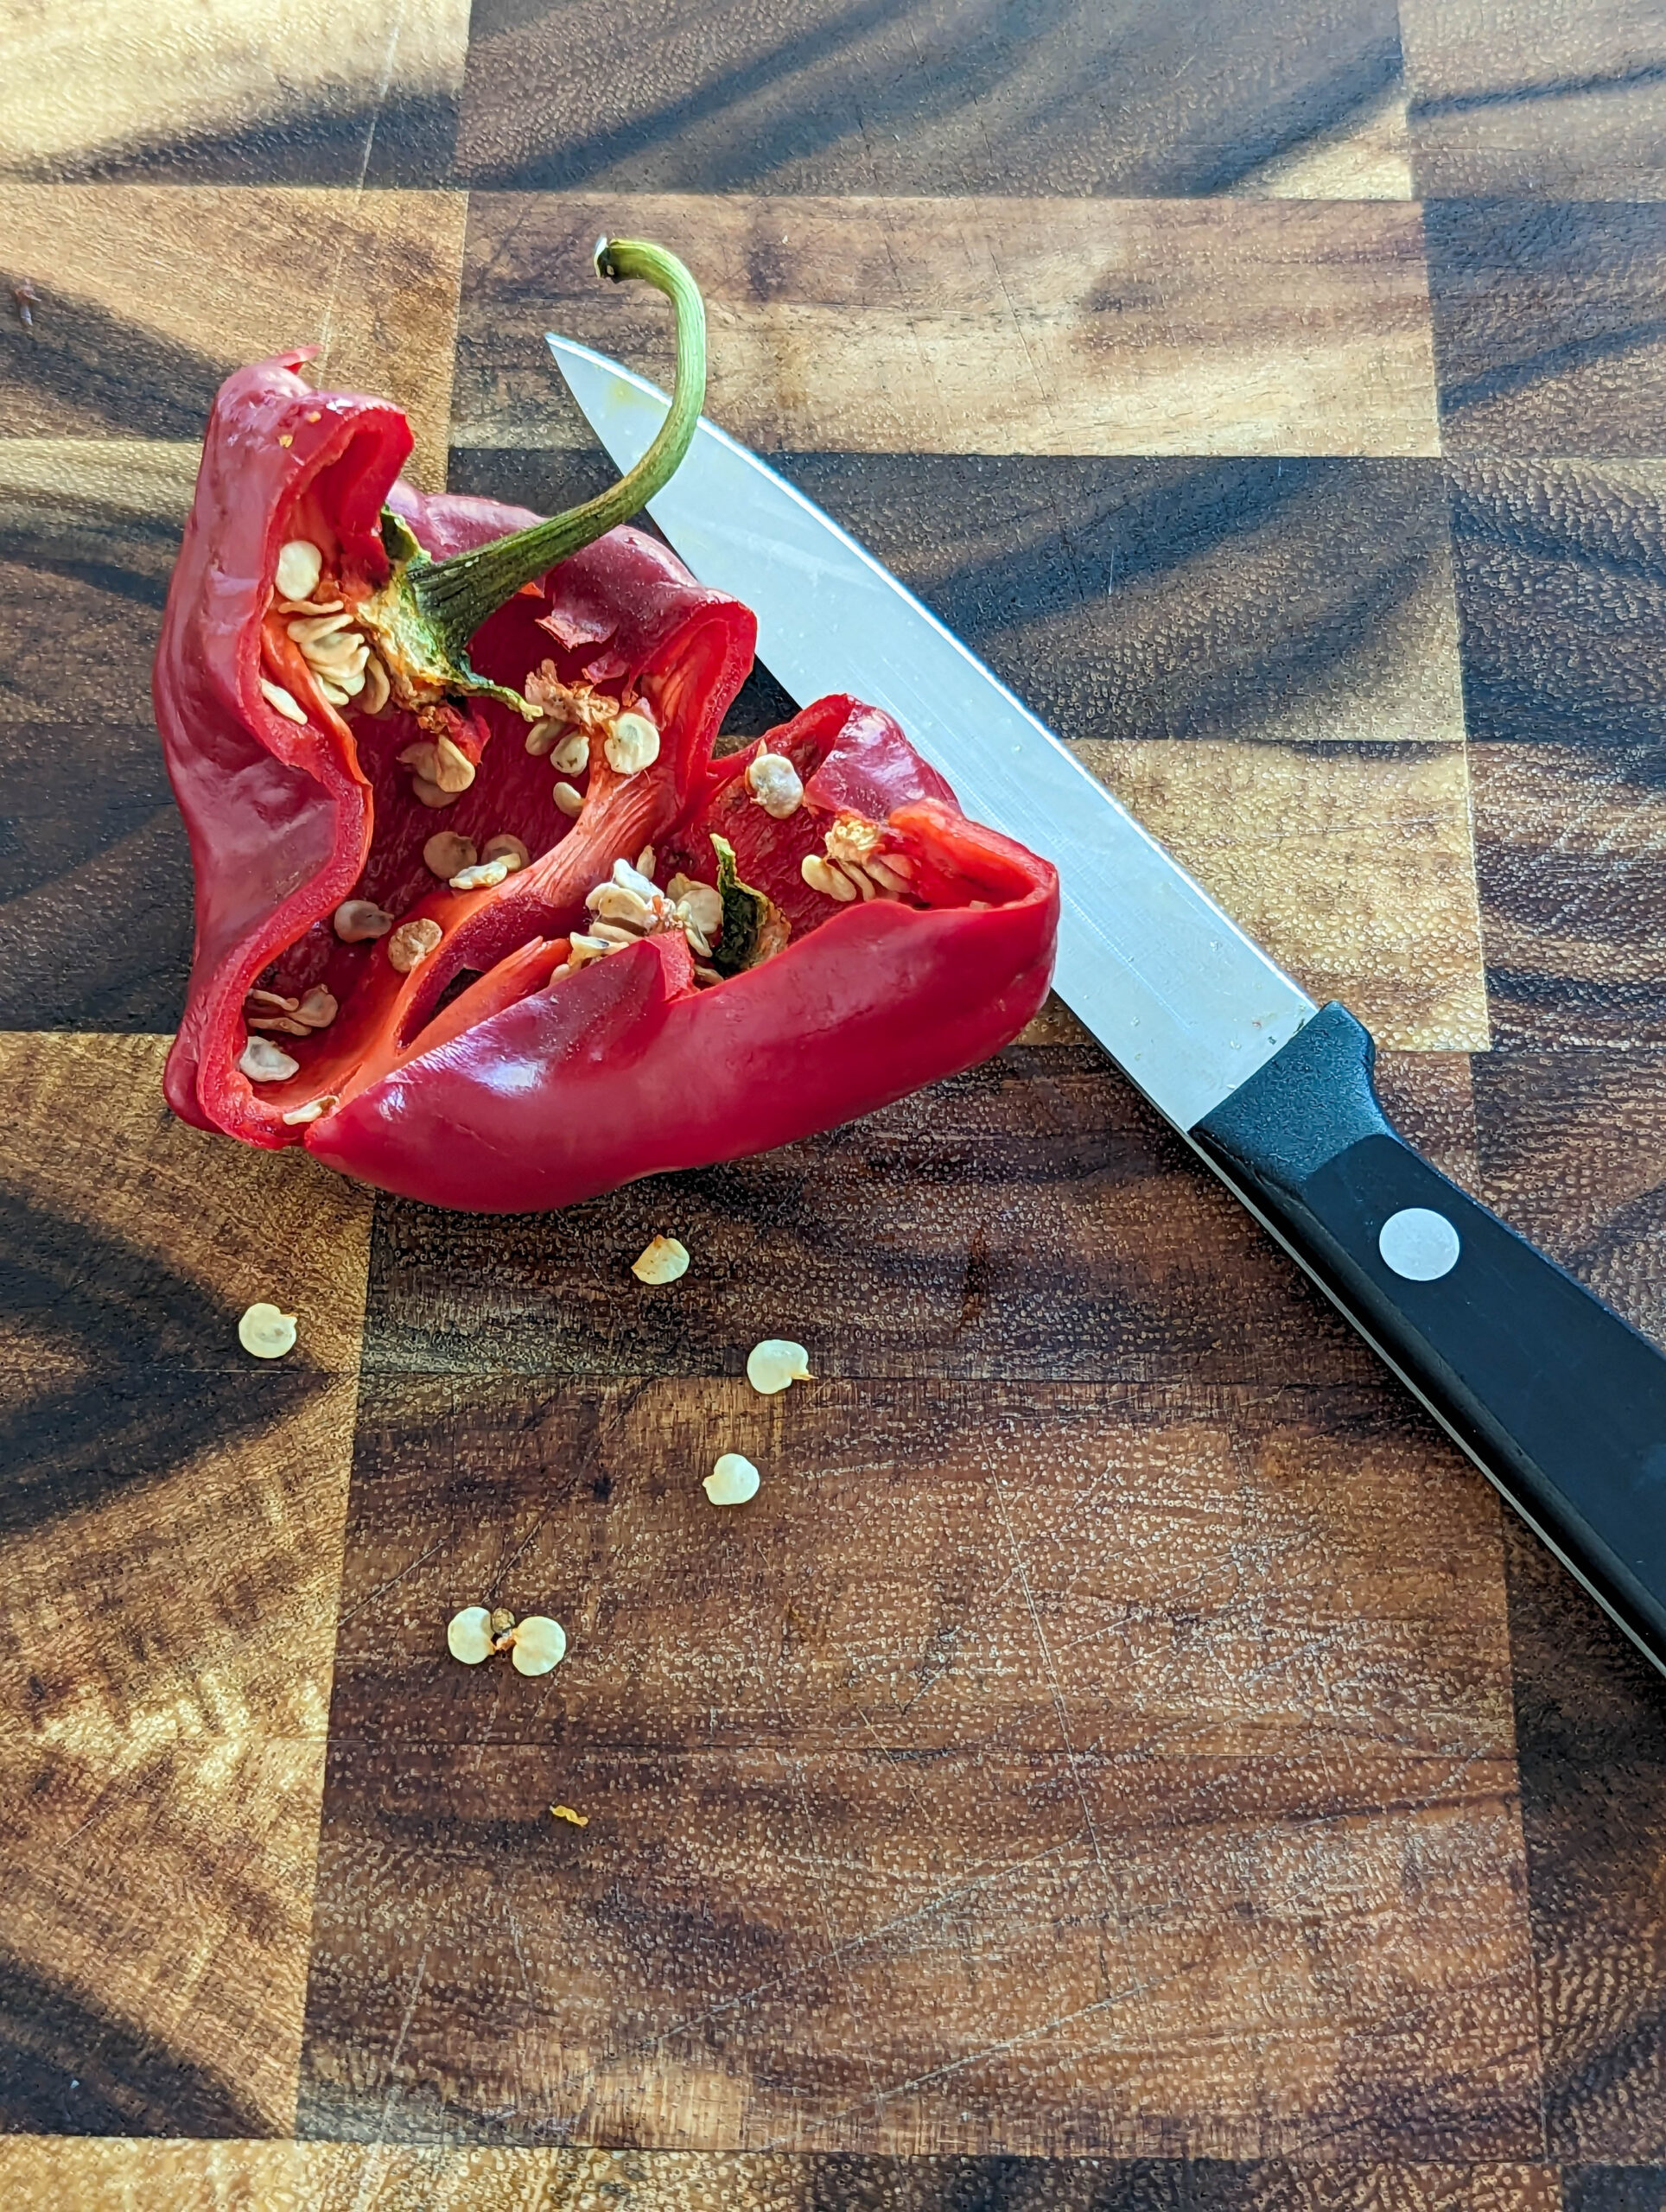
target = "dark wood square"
x: 966, y: 1789
x: 801, y: 96
x: 1548, y: 333
x: 1562, y: 591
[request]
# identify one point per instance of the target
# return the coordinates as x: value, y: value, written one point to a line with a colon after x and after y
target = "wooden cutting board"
x: 1123, y: 1758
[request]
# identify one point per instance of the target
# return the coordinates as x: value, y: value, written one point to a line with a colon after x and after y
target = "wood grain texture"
x: 165, y: 1667
x: 172, y: 1523
x: 1430, y: 1098
x: 149, y: 296
x: 1513, y: 97
x: 1591, y: 1734
x: 1561, y: 590
x: 402, y: 2178
x: 1032, y: 1218
x: 133, y: 1243
x: 1613, y: 2189
x: 972, y: 1789
x: 1098, y: 1737
x: 230, y: 93
x: 997, y: 325
x: 923, y: 98
x: 95, y: 881
x: 1373, y: 898
x: 1129, y: 598
x: 1573, y: 1149
x: 1548, y: 333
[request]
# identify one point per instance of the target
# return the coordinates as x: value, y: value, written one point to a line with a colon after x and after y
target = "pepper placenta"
x: 480, y: 918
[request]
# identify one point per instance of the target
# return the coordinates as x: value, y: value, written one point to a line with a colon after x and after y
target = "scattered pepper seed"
x: 570, y: 801
x: 773, y: 782
x: 266, y: 1332
x: 468, y: 1635
x: 663, y: 1261
x: 776, y: 1364
x: 505, y: 848
x: 566, y: 1813
x: 733, y: 1481
x: 535, y: 1645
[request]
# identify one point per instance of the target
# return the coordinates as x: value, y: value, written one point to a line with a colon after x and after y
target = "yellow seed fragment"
x: 566, y: 1813
x: 570, y: 800
x: 468, y: 1635
x: 505, y: 848
x: 733, y: 1481
x: 776, y: 1364
x: 537, y: 1644
x: 313, y: 1110
x: 411, y: 943
x: 484, y: 876
x: 266, y: 1332
x: 661, y: 1262
x: 374, y: 696
x: 701, y: 906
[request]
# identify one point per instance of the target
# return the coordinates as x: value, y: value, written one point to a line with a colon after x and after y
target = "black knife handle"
x: 1559, y: 1401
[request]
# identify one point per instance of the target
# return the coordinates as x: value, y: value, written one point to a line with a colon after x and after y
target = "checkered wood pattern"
x: 1124, y: 1759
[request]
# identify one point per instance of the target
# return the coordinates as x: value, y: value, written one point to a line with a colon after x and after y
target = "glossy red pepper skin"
x: 280, y: 818
x: 627, y: 1068
x: 526, y: 1092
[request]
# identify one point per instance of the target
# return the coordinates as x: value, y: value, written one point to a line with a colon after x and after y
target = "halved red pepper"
x: 804, y: 940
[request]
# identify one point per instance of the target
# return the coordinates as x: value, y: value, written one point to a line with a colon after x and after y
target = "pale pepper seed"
x: 733, y: 1481
x: 266, y: 1332
x: 663, y: 1261
x: 777, y: 1364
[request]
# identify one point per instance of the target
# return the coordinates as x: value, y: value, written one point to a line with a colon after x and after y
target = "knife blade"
x: 1557, y: 1399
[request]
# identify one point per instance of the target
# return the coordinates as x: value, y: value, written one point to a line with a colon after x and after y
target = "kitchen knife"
x: 1558, y: 1400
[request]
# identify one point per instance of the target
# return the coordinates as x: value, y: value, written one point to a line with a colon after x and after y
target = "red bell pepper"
x: 816, y: 931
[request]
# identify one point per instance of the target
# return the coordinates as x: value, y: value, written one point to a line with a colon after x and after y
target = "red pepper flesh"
x: 495, y: 1075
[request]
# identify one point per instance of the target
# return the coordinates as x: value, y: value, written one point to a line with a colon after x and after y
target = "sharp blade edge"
x: 1187, y: 1004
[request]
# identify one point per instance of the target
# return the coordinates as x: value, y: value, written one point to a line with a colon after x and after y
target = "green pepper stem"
x: 456, y: 595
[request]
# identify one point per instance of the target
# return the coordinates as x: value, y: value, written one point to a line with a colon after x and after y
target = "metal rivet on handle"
x: 1419, y: 1244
